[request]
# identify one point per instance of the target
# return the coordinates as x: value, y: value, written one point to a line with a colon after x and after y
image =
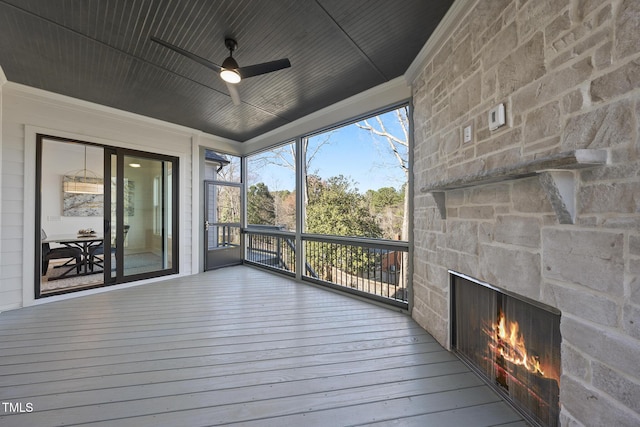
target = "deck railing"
x: 374, y: 268
x: 271, y: 247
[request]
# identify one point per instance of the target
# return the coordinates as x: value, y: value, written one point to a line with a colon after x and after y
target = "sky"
x: 348, y: 151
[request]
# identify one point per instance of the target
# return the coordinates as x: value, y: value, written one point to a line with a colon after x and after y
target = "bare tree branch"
x: 390, y: 138
x: 325, y: 141
x: 285, y: 156
x: 394, y: 143
x: 403, y: 120
x: 383, y: 132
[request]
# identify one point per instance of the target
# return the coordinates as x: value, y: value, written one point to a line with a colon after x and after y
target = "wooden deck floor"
x: 233, y: 346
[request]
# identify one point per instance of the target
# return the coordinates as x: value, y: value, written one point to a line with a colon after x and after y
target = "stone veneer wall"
x: 569, y: 74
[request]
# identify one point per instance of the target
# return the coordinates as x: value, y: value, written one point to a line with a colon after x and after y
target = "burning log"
x: 541, y: 393
x: 509, y: 344
x: 520, y: 373
x: 501, y: 373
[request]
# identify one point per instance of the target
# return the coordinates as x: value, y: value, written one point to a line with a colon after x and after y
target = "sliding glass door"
x: 147, y: 232
x: 143, y: 218
x: 132, y: 212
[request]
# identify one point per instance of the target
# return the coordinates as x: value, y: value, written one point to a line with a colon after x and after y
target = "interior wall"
x: 567, y: 72
x: 61, y: 159
x: 27, y: 111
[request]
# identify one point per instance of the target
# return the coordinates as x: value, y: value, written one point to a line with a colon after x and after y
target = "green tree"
x: 285, y: 208
x: 336, y: 208
x: 387, y: 206
x: 260, y: 205
x: 384, y: 197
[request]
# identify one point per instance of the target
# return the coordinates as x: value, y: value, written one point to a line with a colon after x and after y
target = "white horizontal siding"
x: 9, y: 297
x: 12, y: 206
x: 15, y: 168
x: 12, y: 221
x: 12, y: 227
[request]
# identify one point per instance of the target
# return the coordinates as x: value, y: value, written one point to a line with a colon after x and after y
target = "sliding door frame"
x: 120, y: 153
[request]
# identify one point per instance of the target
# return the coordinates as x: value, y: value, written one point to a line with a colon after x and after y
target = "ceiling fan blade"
x: 189, y: 55
x: 233, y: 92
x: 264, y: 68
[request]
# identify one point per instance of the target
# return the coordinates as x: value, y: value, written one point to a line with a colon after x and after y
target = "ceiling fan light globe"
x: 229, y: 71
x: 230, y: 76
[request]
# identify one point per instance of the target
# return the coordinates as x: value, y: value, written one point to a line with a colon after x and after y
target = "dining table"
x: 83, y: 242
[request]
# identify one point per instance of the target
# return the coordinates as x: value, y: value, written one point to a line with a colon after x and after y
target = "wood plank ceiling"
x: 100, y: 51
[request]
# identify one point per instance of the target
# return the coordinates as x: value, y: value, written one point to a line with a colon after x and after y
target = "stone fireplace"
x: 512, y: 342
x: 546, y: 207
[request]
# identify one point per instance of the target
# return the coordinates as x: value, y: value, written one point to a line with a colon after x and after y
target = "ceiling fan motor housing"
x: 231, y: 44
x: 230, y: 64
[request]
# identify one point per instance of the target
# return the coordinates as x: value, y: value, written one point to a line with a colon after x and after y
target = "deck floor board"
x: 233, y: 346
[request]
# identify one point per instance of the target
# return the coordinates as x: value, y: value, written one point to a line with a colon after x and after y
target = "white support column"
x: 409, y: 206
x: 29, y: 208
x: 244, y: 220
x: 197, y: 244
x: 3, y: 80
x: 301, y: 173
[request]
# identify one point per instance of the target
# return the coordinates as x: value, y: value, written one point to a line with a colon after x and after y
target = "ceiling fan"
x: 229, y: 71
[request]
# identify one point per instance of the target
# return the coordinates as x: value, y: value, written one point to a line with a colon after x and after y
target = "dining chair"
x: 95, y: 252
x: 49, y: 253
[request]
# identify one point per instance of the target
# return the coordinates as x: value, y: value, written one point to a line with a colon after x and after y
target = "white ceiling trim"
x: 454, y: 16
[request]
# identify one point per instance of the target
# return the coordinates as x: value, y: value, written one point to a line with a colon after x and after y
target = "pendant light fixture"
x: 83, y: 181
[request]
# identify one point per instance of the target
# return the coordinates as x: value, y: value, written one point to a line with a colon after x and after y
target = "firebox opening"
x: 512, y: 342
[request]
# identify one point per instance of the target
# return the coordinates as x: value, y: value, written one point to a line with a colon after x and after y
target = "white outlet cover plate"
x: 466, y: 134
x: 496, y: 117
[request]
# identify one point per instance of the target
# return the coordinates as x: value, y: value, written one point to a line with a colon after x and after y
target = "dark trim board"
x: 233, y: 346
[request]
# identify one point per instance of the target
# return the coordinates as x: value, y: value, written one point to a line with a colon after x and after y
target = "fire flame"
x: 510, y: 344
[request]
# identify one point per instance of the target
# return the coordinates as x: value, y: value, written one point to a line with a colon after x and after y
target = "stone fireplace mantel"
x: 556, y: 174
